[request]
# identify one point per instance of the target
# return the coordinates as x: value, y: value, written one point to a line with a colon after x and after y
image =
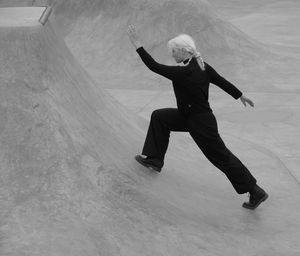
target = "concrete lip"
x: 20, y: 16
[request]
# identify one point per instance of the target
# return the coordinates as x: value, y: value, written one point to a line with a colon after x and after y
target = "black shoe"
x: 151, y: 163
x: 257, y: 196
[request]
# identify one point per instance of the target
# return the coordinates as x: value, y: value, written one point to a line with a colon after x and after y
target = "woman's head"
x: 183, y: 47
x: 183, y: 41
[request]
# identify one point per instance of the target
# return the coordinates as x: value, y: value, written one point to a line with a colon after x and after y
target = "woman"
x: 193, y: 114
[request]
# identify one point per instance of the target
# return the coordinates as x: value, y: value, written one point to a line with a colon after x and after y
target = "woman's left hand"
x: 245, y: 100
x: 133, y: 37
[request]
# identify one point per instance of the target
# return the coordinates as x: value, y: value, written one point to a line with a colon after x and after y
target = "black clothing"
x: 195, y: 116
x: 186, y: 61
x: 190, y: 83
x: 151, y: 163
x: 257, y: 196
x: 204, y: 131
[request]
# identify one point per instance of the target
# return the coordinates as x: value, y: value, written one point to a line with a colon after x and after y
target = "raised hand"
x: 133, y: 37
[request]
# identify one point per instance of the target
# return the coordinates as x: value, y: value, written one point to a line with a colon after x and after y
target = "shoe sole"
x: 264, y: 198
x: 150, y: 167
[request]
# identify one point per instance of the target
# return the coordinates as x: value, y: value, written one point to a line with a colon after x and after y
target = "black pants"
x: 204, y: 131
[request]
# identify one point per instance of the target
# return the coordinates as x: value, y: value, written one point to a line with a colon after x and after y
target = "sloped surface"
x: 69, y: 185
x: 55, y: 130
x: 96, y: 33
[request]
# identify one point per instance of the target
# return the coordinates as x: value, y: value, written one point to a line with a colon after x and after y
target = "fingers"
x: 131, y: 32
x: 250, y: 103
x: 131, y: 26
x: 131, y: 29
x: 243, y: 101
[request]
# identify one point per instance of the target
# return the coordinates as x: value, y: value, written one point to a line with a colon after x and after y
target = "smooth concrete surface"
x: 20, y: 16
x: 96, y: 34
x: 271, y: 22
x: 68, y: 181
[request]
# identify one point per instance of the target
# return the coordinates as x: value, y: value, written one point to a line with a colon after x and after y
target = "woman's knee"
x: 170, y: 119
x: 158, y: 114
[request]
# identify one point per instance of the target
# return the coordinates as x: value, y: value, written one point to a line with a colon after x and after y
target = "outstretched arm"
x: 221, y: 82
x: 170, y: 72
x: 228, y: 87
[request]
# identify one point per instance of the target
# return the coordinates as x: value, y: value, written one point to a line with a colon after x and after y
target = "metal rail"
x: 43, y: 19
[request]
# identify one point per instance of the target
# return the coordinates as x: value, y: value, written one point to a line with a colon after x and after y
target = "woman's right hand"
x: 133, y: 37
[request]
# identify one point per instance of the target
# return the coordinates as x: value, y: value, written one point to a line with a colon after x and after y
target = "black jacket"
x: 190, y: 83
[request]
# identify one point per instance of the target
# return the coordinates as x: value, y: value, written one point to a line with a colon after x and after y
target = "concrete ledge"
x: 20, y: 16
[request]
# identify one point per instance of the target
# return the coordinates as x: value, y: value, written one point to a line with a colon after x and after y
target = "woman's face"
x: 179, y: 55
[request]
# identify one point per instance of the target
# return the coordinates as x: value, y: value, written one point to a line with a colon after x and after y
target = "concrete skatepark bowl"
x: 75, y: 104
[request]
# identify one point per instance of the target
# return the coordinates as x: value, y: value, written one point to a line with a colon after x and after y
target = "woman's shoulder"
x: 194, y: 67
x: 208, y: 68
x: 207, y: 65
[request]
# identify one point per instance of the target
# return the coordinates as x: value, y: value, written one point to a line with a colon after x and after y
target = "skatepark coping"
x: 24, y: 16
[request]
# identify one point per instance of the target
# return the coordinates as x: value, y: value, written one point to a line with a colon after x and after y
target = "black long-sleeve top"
x: 190, y: 83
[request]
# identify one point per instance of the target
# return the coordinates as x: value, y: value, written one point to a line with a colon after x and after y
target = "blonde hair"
x: 186, y: 42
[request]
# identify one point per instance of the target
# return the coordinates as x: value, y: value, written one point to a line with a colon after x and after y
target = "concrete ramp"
x: 95, y: 31
x: 69, y: 184
x: 56, y: 127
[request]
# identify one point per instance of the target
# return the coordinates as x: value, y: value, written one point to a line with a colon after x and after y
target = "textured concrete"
x: 68, y: 181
